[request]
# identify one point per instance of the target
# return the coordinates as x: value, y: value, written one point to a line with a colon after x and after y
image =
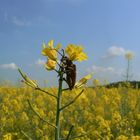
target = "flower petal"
x: 75, y: 53
x: 50, y: 44
x: 49, y: 50
x: 50, y: 53
x: 50, y: 65
x: 58, y: 46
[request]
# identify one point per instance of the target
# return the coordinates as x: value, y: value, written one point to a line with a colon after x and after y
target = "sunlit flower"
x: 122, y: 137
x: 24, y: 117
x: 75, y: 53
x: 129, y: 55
x: 49, y: 50
x: 82, y: 81
x: 7, y: 136
x: 50, y: 65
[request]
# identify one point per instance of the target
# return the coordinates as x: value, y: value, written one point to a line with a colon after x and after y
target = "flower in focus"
x: 129, y: 55
x: 50, y: 65
x: 75, y: 53
x: 49, y: 50
x: 82, y: 81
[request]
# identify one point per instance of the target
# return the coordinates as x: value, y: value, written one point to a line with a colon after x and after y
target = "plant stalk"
x: 127, y: 73
x: 57, y: 130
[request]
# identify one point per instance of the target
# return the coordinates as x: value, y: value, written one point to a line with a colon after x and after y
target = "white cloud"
x: 15, y: 20
x: 12, y: 66
x: 20, y: 22
x: 99, y: 69
x: 106, y: 73
x: 40, y: 62
x: 114, y: 51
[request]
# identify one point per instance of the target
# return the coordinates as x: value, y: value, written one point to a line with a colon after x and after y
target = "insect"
x: 70, y: 70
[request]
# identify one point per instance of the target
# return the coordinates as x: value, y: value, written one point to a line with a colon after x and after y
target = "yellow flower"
x: 50, y: 44
x: 122, y: 137
x: 75, y: 53
x: 24, y: 117
x: 82, y: 81
x: 50, y: 65
x: 50, y: 51
x: 128, y: 55
x: 7, y: 136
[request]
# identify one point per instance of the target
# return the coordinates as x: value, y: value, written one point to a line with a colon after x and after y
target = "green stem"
x: 31, y: 106
x: 40, y: 89
x: 72, y: 101
x: 57, y: 130
x: 28, y: 138
x: 70, y: 131
x: 127, y: 73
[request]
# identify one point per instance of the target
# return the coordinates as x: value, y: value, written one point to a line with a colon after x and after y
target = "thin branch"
x: 82, y: 135
x: 66, y: 82
x: 57, y: 51
x: 56, y: 71
x: 79, y: 136
x: 32, y: 84
x: 71, y: 101
x: 31, y: 106
x: 65, y: 89
x: 70, y: 131
x: 58, y: 64
x: 63, y: 52
x: 38, y: 88
x: 25, y: 135
x: 25, y: 82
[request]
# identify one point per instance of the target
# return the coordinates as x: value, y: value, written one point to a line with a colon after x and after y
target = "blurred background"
x: 106, y: 29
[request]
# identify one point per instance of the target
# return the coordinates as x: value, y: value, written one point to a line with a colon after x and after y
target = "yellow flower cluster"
x: 105, y: 113
x: 51, y: 53
x: 74, y: 52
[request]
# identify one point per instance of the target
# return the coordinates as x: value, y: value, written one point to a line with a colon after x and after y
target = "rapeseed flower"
x: 50, y: 65
x: 128, y: 55
x: 7, y: 136
x: 49, y: 50
x: 75, y: 53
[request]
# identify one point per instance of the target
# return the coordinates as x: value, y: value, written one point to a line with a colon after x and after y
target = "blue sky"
x: 106, y: 28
